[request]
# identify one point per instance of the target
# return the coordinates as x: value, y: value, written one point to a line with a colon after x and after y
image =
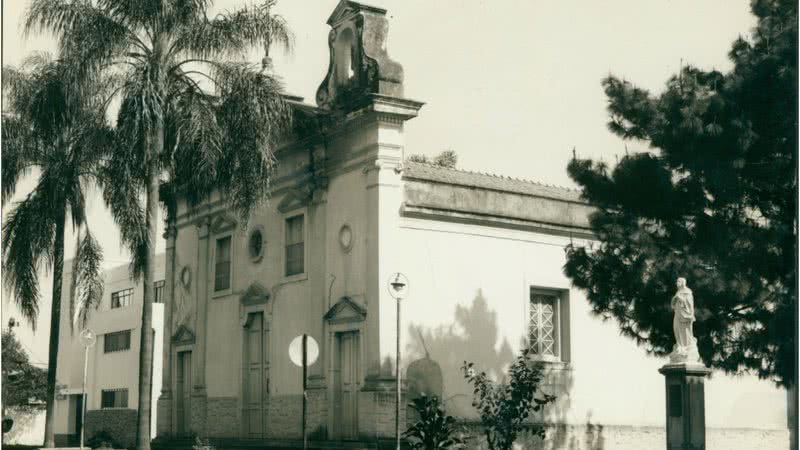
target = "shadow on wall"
x: 437, y: 354
x: 473, y: 336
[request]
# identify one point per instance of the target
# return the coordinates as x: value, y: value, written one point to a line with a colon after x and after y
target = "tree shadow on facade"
x: 472, y: 336
x: 437, y: 354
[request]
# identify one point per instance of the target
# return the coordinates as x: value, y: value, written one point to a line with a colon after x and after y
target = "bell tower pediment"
x: 359, y: 63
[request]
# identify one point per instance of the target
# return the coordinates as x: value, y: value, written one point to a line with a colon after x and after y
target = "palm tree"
x: 194, y: 115
x: 58, y: 128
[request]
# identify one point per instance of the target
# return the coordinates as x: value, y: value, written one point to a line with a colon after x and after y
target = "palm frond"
x: 121, y: 180
x: 233, y: 33
x: 20, y: 153
x: 89, y: 36
x: 28, y: 237
x: 88, y: 279
x: 255, y: 117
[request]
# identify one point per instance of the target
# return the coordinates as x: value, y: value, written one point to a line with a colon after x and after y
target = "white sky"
x: 510, y: 85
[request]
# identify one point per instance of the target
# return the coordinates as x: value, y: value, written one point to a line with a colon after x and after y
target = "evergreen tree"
x: 715, y: 202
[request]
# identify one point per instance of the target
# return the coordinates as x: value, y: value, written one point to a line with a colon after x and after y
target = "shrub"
x: 202, y: 444
x: 435, y: 429
x: 102, y: 439
x: 505, y: 407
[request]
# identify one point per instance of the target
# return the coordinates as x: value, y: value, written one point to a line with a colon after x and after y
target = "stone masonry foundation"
x: 600, y: 437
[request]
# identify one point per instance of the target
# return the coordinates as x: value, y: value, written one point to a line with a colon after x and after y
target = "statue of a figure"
x: 685, y: 349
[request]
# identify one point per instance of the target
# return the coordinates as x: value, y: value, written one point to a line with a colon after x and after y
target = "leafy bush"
x: 202, y: 444
x: 505, y: 407
x: 435, y: 429
x: 102, y: 439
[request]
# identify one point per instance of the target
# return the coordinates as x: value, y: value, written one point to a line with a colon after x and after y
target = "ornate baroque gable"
x: 359, y: 64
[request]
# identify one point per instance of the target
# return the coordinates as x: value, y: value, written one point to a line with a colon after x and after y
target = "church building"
x: 483, y: 256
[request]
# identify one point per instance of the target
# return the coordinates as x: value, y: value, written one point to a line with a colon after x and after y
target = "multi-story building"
x: 113, y: 361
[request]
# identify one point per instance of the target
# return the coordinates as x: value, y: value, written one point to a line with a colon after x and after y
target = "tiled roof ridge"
x: 495, y: 176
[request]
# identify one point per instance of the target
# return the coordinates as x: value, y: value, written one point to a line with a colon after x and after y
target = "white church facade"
x: 483, y: 255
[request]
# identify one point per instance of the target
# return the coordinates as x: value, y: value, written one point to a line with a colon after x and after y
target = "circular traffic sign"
x: 296, y: 350
x: 88, y: 338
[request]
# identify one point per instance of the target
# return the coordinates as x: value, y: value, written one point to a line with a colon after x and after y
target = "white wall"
x: 115, y: 370
x: 469, y: 286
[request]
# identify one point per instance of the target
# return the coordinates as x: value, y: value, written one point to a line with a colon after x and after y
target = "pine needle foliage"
x: 714, y: 201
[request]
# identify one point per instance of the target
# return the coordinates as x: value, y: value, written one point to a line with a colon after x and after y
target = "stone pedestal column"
x: 686, y: 411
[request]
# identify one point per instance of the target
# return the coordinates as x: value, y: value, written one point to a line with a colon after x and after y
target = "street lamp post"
x: 398, y: 288
x: 88, y: 338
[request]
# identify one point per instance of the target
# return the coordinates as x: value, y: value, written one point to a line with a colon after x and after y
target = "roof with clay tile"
x: 438, y: 174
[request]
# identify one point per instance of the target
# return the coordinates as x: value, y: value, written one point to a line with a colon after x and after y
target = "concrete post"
x: 686, y: 414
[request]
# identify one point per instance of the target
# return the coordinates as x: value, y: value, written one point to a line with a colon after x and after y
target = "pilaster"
x: 201, y: 316
x: 164, y: 406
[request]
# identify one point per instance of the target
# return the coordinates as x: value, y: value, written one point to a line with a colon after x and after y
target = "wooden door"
x: 183, y: 391
x: 256, y: 377
x: 346, y: 385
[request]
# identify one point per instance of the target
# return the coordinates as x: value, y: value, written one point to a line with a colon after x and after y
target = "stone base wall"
x: 164, y: 417
x: 376, y: 414
x: 599, y: 437
x: 199, y: 413
x: 224, y: 417
x: 120, y: 423
x: 317, y: 414
x: 285, y: 416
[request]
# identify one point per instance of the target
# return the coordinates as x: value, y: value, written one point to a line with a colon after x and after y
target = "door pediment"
x: 183, y: 336
x: 346, y: 310
x: 256, y: 294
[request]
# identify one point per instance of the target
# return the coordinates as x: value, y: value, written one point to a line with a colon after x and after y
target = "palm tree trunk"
x: 156, y: 143
x: 55, y: 328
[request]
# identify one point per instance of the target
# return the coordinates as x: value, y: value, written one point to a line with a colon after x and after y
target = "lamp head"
x: 398, y: 285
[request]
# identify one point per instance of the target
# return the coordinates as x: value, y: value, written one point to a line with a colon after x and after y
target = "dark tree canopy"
x: 24, y: 385
x: 715, y: 202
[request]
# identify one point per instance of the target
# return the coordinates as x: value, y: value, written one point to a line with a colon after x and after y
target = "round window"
x: 346, y: 238
x: 186, y: 277
x: 255, y: 244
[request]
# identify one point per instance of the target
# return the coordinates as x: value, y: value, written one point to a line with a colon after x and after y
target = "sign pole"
x: 88, y: 338
x: 83, y: 392
x: 303, y: 352
x: 398, y: 288
x: 397, y: 369
x: 305, y: 369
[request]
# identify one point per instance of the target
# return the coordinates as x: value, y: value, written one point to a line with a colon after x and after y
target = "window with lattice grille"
x: 543, y: 329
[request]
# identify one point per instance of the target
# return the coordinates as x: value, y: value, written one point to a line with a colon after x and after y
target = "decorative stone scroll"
x: 359, y: 63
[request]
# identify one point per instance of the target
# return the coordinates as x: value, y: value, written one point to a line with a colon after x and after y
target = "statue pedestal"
x: 686, y: 405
